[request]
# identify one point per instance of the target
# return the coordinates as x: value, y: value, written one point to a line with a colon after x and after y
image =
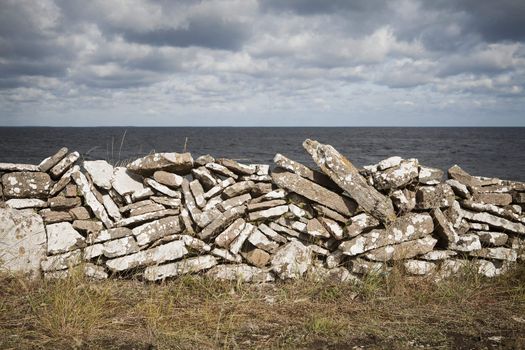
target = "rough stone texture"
x: 152, y: 231
x: 240, y: 272
x: 168, y: 179
x: 463, y: 177
x: 126, y: 183
x: 191, y: 265
x: 316, y: 229
x: 146, y: 209
x: 495, y: 221
x: 204, y: 176
x: 64, y: 181
x: 167, y: 201
x: 405, y: 250
x: 223, y: 220
x: 119, y: 247
x: 494, y: 239
x: 259, y: 240
x: 498, y: 253
x: 429, y: 176
x: 268, y: 213
x: 257, y: 257
x: 26, y: 184
x: 437, y: 255
x: 225, y: 238
x: 166, y: 252
x: 18, y: 167
x: 492, y: 209
x: 161, y: 188
x: 430, y: 197
x: 270, y: 233
x: 292, y: 260
x: 397, y: 176
x: 204, y: 159
x: 226, y: 255
x: 359, y: 223
x: 221, y: 170
x: 234, y: 201
x: 365, y: 267
x: 419, y: 267
x: 61, y: 202
x: 91, y: 201
x: 408, y: 227
x: 444, y: 228
x: 62, y: 166
x: 180, y: 163
x: 139, y: 219
x: 100, y: 171
x: 303, y: 171
x: 265, y: 204
x: 314, y: 192
x: 62, y: 237
x: 404, y: 200
x: 61, y: 261
x: 109, y: 234
x: 466, y: 243
x: 238, y: 189
x: 238, y: 242
x: 51, y: 217
x: 198, y: 193
x: 332, y: 227
x: 24, y: 203
x: 343, y: 173
x: 111, y: 207
x: 236, y: 167
x: 493, y: 198
x: 88, y: 226
x: 459, y: 189
x: 216, y: 190
x: 22, y: 241
x: 50, y: 162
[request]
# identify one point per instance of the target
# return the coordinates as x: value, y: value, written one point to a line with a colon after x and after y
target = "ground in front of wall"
x: 395, y: 312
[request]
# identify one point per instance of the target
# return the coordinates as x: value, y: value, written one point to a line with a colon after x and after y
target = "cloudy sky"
x: 273, y: 62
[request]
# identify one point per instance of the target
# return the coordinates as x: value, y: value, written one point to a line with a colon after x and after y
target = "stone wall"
x: 168, y: 214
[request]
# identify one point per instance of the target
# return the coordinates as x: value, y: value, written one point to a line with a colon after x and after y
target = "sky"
x: 262, y: 63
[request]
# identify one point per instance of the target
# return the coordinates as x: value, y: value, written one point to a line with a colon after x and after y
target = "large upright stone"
x: 91, y: 201
x: 101, y: 172
x: 26, y: 184
x: 314, y: 192
x: 408, y: 227
x: 180, y: 163
x: 50, y: 162
x: 304, y: 171
x: 62, y: 166
x: 22, y: 241
x: 343, y: 173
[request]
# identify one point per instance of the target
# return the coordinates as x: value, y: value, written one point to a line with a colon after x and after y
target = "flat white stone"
x: 466, y: 243
x: 226, y: 237
x: 292, y: 260
x: 226, y: 255
x: 64, y: 164
x: 240, y: 272
x: 62, y: 237
x: 61, y: 261
x: 91, y: 200
x: 238, y: 242
x: 389, y: 162
x: 146, y: 217
x: 126, y: 183
x: 419, y: 267
x: 161, y: 188
x: 259, y: 240
x: 8, y: 167
x: 152, y: 231
x: 119, y: 247
x: 24, y: 203
x: 268, y: 213
x: 111, y: 208
x: 270, y: 233
x: 101, y: 172
x: 191, y: 265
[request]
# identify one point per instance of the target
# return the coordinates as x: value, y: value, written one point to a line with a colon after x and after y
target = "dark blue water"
x: 498, y: 152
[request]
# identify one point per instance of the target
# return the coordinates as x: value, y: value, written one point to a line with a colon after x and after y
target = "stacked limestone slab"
x: 167, y: 214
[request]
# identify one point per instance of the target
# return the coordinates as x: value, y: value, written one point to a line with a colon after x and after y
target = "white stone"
x: 495, y: 221
x: 419, y: 267
x: 152, y: 231
x: 166, y: 252
x: 226, y: 255
x: 191, y: 265
x: 292, y: 260
x: 8, y: 167
x: 238, y: 242
x: 272, y: 234
x: 240, y: 272
x: 91, y: 200
x: 24, y: 203
x: 161, y: 188
x: 111, y: 208
x: 215, y: 190
x: 93, y: 251
x: 268, y: 213
x: 119, y: 247
x: 126, y: 183
x: 226, y: 237
x: 147, y: 217
x: 498, y: 253
x: 466, y: 243
x: 101, y: 172
x: 95, y: 272
x: 61, y: 261
x: 436, y: 255
x: 22, y: 241
x: 62, y: 237
x: 259, y: 240
x: 389, y: 162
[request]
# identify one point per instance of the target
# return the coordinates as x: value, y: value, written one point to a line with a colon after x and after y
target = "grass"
x: 192, y: 312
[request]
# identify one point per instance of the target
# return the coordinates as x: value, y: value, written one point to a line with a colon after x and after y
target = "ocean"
x: 493, y: 152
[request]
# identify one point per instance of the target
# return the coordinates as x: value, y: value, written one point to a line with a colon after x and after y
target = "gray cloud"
x: 157, y: 58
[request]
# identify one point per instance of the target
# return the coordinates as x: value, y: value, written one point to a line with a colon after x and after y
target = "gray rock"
x: 50, y: 162
x: 180, y: 163
x: 316, y: 229
x: 87, y: 226
x: 283, y: 229
x: 236, y: 167
x: 109, y: 234
x: 61, y: 261
x: 437, y: 255
x: 329, y: 213
x: 493, y: 198
x: 268, y: 213
x: 492, y: 209
x: 444, y: 228
x: 241, y: 273
x: 135, y: 205
x: 146, y: 209
x: 270, y: 233
x: 494, y: 239
x: 314, y: 192
x: 333, y: 227
x: 266, y: 204
x: 191, y: 265
x: 226, y: 255
x: 95, y: 272
x: 64, y: 181
x: 226, y: 237
x: 24, y: 203
x: 166, y: 252
x: 498, y: 253
x: 204, y: 176
x: 7, y: 167
x: 404, y: 250
x: 167, y: 201
x: 365, y: 267
x: 119, y: 247
x: 456, y: 173
x: 389, y: 163
x: 237, y: 189
x: 259, y: 240
x: 397, y: 176
x: 152, y: 231
x: 111, y: 207
x: 466, y: 243
x: 23, y: 241
x: 459, y: 189
x: 223, y: 220
x: 51, y: 217
x: 476, y: 226
x: 238, y: 242
x: 204, y: 159
x: 198, y: 193
x: 100, y: 171
x: 139, y: 219
x: 234, y: 202
x: 408, y: 227
x: 216, y: 190
x: 91, y: 201
x: 430, y: 197
x: 26, y: 184
x: 343, y: 173
x: 139, y: 195
x: 221, y: 170
x: 430, y: 176
x: 62, y: 237
x: 61, y: 202
x: 494, y: 221
x: 404, y: 200
x: 419, y: 267
x: 161, y: 188
x: 168, y: 179
x: 303, y: 171
x: 301, y: 213
x: 126, y: 183
x: 292, y: 260
x: 62, y: 166
x: 71, y: 190
x: 360, y: 223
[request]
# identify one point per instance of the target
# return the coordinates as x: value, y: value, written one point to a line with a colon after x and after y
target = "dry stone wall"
x: 168, y: 214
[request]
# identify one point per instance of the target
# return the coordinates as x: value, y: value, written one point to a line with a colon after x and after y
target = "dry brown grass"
x: 196, y: 313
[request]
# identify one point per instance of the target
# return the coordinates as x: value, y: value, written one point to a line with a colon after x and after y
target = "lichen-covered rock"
x: 18, y: 167
x: 22, y: 241
x: 466, y: 243
x: 191, y: 265
x: 61, y: 261
x: 419, y: 267
x: 458, y: 174
x: 429, y: 197
x: 494, y: 239
x: 404, y: 200
x: 50, y: 162
x: 62, y: 166
x: 152, y: 231
x: 26, y: 184
x: 292, y: 260
x: 126, y: 183
x: 303, y: 171
x: 444, y: 228
x: 360, y: 223
x: 62, y: 237
x: 429, y: 176
x: 404, y: 250
x: 268, y: 213
x: 498, y: 253
x: 24, y: 203
x: 180, y: 163
x: 501, y: 199
x: 227, y: 236
x: 168, y: 179
x: 100, y: 171
x: 240, y: 272
x: 91, y: 200
x: 495, y: 221
x: 236, y: 167
x: 397, y: 176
